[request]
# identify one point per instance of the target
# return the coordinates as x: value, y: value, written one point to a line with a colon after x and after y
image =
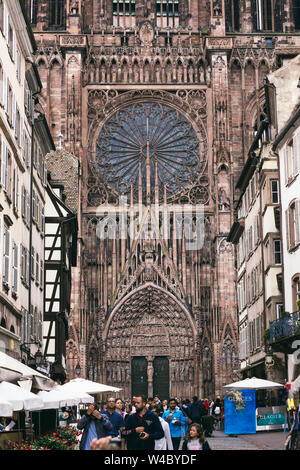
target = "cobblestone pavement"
x: 272, y: 440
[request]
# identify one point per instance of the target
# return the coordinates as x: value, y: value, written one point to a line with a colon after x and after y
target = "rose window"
x: 148, y: 147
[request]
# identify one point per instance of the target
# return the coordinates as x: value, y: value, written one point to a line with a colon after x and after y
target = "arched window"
x: 56, y: 13
x: 3, y: 322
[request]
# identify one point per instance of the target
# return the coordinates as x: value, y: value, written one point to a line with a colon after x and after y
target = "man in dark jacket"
x: 196, y: 410
x: 142, y: 428
x: 94, y: 425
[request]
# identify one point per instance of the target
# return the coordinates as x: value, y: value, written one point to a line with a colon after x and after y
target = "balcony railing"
x: 285, y: 327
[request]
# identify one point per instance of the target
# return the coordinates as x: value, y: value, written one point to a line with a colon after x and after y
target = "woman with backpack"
x: 217, y: 410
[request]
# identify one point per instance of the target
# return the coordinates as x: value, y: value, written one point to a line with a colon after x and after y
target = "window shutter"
x: 5, y: 184
x: 17, y: 190
x: 22, y: 262
x: 6, y: 255
x: 15, y: 268
x: 4, y: 90
x: 23, y: 201
x: 28, y: 209
x: 285, y: 156
x: 21, y: 133
x: 297, y: 212
x: 5, y: 22
x: 13, y: 112
x: 42, y: 274
x: 27, y: 267
x: 1, y: 81
x: 41, y: 327
x: 3, y: 150
x: 13, y: 52
x: 22, y: 329
x: 287, y: 221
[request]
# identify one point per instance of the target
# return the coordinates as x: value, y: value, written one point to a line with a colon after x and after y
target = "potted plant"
x: 267, y: 334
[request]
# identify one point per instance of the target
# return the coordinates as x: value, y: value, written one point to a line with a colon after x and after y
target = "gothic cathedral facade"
x: 159, y: 101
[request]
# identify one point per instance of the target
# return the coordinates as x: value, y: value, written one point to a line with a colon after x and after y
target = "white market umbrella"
x: 59, y: 398
x: 19, y: 398
x: 88, y: 386
x: 8, y: 363
x: 6, y: 408
x: 253, y: 383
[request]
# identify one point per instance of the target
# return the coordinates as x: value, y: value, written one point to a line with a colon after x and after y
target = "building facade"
x: 285, y: 331
x: 256, y: 234
x: 25, y: 139
x: 159, y: 102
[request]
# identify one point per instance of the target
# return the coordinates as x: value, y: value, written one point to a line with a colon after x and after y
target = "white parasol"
x: 88, y: 386
x: 253, y: 383
x: 8, y: 363
x: 6, y: 408
x: 18, y: 398
x: 58, y: 398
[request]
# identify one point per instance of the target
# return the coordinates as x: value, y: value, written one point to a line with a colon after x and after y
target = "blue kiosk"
x: 241, y: 414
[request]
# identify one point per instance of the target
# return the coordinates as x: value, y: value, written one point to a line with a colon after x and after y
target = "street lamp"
x: 77, y: 370
x: 269, y: 361
x: 38, y: 357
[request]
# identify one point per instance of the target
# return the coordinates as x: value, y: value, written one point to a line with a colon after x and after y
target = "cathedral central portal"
x: 150, y: 342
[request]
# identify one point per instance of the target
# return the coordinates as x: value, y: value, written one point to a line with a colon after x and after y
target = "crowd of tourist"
x: 151, y: 424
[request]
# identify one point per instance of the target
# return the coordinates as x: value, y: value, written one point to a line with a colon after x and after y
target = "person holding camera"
x: 142, y: 428
x: 175, y: 418
x: 95, y: 425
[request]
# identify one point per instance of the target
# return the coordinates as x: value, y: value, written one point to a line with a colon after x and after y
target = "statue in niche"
x: 114, y: 72
x: 173, y: 373
x: 191, y: 372
x: 136, y: 72
x: 147, y: 73
x: 157, y: 72
x: 223, y: 200
x: 191, y: 73
x: 217, y: 8
x: 169, y: 72
x: 208, y: 75
x: 127, y: 374
x: 180, y: 73
x: 74, y: 7
x: 201, y: 74
x: 125, y: 72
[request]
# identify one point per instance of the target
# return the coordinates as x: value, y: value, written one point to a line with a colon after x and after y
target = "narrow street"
x: 272, y: 440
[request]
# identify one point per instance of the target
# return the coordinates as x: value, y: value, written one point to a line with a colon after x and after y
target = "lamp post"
x: 38, y: 358
x: 269, y: 361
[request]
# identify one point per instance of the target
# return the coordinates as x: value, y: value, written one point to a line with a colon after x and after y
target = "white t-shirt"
x: 194, y: 445
x: 165, y: 443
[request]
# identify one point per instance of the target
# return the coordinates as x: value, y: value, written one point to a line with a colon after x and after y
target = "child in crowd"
x: 195, y: 439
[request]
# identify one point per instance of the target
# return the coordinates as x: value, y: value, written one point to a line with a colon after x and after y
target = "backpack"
x: 217, y: 410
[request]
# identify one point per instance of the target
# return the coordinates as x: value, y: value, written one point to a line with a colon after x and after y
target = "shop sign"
x: 270, y: 419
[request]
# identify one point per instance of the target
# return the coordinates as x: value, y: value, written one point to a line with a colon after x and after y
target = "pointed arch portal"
x: 150, y: 344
